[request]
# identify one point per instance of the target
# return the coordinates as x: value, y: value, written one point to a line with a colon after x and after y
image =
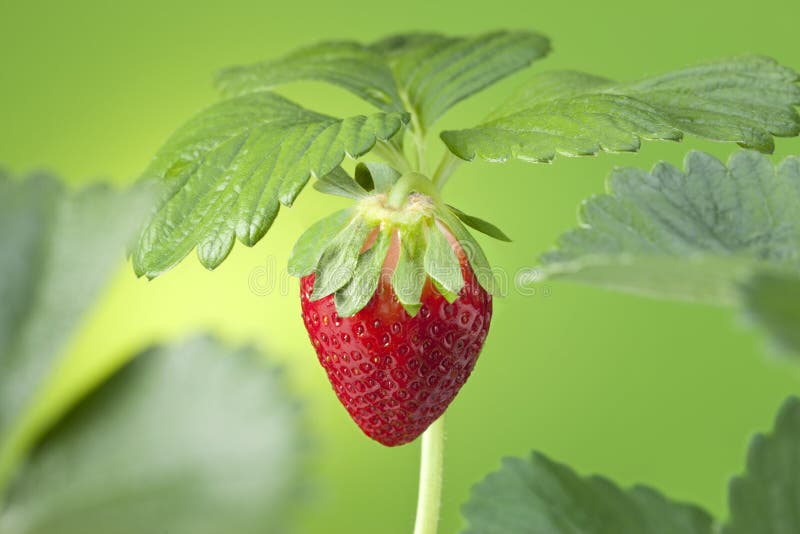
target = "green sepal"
x: 411, y: 309
x: 339, y: 183
x: 484, y: 227
x: 309, y: 248
x: 409, y: 275
x: 359, y: 290
x: 441, y: 262
x: 448, y: 295
x: 477, y: 259
x: 378, y: 176
x: 338, y: 262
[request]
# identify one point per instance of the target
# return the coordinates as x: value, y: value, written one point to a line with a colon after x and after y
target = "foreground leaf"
x: 434, y: 72
x: 690, y: 235
x: 188, y: 439
x: 349, y: 65
x: 766, y: 499
x: 772, y: 301
x: 745, y: 100
x: 59, y: 250
x: 538, y: 495
x: 226, y: 172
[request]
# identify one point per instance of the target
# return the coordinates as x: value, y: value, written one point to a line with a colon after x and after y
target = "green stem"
x: 430, y: 479
x: 392, y: 155
x: 407, y: 183
x: 419, y: 138
x: 417, y: 132
x: 447, y: 165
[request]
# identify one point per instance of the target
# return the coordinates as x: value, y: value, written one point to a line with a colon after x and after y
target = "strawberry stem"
x: 430, y: 479
x: 417, y: 131
x: 393, y: 155
x: 408, y: 183
x: 447, y: 165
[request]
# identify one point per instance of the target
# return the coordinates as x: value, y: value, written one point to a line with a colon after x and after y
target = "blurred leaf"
x: 59, y: 249
x: 349, y: 65
x: 434, y: 72
x: 766, y: 499
x: 226, y: 172
x: 691, y: 235
x: 538, y: 496
x: 187, y: 439
x: 772, y: 301
x: 744, y: 99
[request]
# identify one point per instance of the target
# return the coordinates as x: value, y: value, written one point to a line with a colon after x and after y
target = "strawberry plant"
x: 396, y: 293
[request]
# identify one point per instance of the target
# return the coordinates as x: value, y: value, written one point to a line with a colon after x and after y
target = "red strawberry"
x: 394, y: 373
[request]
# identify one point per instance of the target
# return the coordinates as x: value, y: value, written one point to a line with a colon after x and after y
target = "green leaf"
x: 225, y: 173
x: 309, y: 248
x: 772, y: 301
x: 691, y: 235
x: 339, y: 183
x: 541, y: 496
x: 351, y: 298
x: 767, y: 497
x: 480, y: 225
x: 745, y: 100
x: 187, y: 439
x: 376, y: 176
x: 434, y: 72
x: 441, y: 262
x: 409, y: 276
x: 338, y: 262
x: 60, y: 248
x: 351, y: 66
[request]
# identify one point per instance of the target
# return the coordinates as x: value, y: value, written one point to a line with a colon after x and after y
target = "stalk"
x: 447, y: 165
x: 392, y: 155
x: 407, y: 183
x: 430, y: 479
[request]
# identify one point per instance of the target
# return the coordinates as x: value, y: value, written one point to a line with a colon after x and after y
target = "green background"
x: 666, y: 394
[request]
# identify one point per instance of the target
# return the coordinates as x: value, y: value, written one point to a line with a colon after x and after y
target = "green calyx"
x: 399, y: 227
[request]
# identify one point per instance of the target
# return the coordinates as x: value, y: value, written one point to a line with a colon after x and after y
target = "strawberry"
x: 394, y: 373
x: 392, y: 303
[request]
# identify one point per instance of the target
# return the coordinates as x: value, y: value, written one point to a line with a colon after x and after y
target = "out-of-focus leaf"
x: 772, y: 301
x: 59, y: 249
x: 538, y: 496
x: 186, y: 439
x: 690, y: 235
x: 766, y: 499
